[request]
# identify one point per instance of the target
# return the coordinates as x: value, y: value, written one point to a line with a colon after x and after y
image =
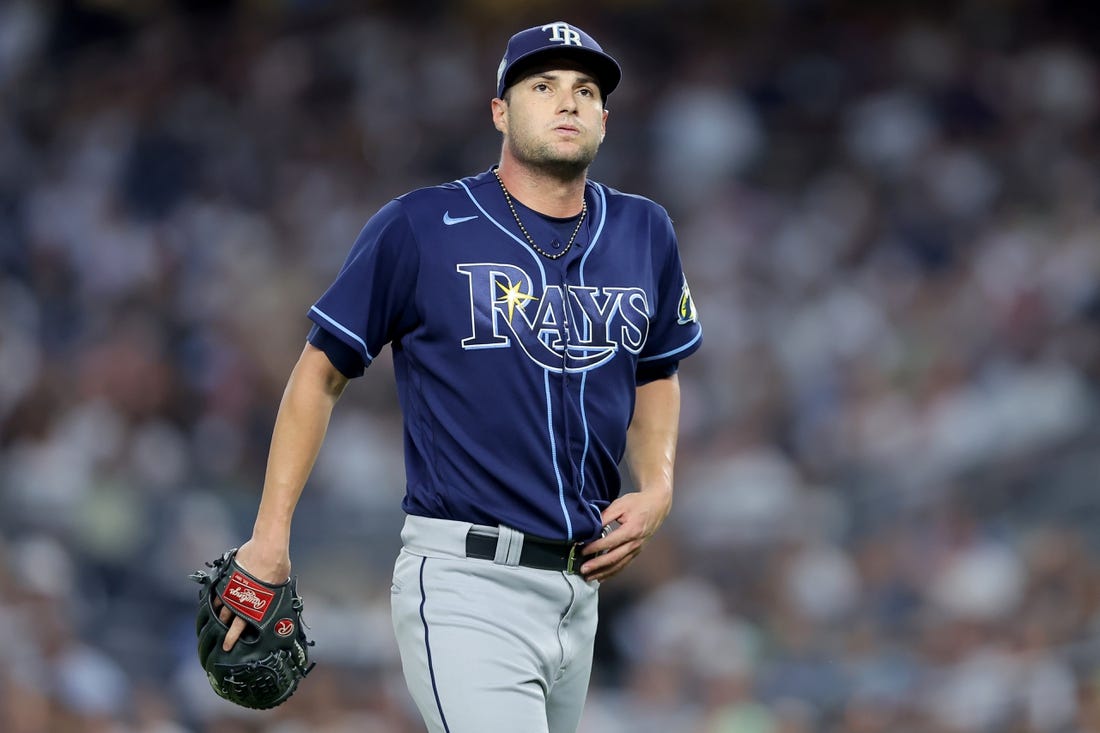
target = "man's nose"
x: 568, y: 102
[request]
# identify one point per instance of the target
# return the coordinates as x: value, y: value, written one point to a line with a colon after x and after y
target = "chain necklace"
x: 515, y: 215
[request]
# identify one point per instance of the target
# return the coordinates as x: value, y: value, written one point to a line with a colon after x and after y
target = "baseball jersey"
x: 516, y: 373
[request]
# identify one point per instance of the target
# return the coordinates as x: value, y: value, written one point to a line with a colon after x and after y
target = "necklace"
x: 530, y: 240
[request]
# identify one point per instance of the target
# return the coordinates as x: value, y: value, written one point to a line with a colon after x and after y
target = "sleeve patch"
x: 686, y: 309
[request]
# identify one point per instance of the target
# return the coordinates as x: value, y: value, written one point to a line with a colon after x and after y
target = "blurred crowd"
x: 887, y: 485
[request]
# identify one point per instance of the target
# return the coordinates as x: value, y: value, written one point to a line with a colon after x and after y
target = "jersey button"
x: 556, y: 244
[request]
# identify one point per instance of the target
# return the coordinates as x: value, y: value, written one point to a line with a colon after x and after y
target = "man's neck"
x: 546, y: 194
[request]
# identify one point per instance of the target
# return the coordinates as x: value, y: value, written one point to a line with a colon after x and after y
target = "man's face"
x: 553, y: 118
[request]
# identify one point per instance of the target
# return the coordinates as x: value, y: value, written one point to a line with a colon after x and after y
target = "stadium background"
x: 889, y: 465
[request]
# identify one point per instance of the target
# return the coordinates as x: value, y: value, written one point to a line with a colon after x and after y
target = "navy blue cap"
x: 555, y: 40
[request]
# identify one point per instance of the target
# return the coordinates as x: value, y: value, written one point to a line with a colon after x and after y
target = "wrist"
x: 657, y: 488
x: 270, y: 547
x: 269, y: 562
x: 271, y: 534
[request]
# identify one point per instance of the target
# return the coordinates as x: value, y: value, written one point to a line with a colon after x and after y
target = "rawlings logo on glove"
x: 270, y: 658
x: 245, y: 600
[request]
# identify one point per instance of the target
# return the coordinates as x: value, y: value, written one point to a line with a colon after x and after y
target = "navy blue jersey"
x: 516, y: 373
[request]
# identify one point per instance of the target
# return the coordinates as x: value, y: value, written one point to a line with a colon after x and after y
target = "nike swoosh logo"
x: 452, y: 220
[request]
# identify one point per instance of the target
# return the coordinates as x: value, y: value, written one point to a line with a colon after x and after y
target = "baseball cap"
x: 557, y: 39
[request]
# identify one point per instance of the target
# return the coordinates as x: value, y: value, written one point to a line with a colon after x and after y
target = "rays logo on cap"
x: 563, y: 33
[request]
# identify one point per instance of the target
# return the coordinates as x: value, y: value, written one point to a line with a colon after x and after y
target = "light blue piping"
x: 343, y: 330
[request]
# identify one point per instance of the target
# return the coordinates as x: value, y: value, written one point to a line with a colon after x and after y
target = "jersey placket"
x: 574, y: 265
x: 570, y: 402
x: 566, y: 407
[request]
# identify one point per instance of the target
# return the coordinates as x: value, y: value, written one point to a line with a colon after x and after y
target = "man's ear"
x: 500, y: 114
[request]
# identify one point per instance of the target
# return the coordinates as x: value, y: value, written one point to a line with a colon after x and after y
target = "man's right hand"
x: 267, y: 565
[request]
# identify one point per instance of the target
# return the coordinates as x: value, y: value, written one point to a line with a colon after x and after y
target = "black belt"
x: 536, y: 553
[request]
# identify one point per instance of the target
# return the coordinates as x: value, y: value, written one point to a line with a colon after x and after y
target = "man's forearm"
x: 304, y: 412
x: 311, y: 392
x: 651, y: 440
x: 650, y: 458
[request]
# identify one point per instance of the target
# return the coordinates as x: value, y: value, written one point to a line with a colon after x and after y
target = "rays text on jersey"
x: 578, y: 327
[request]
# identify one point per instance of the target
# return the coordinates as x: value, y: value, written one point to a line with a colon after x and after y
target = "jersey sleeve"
x: 348, y: 361
x: 372, y: 300
x: 674, y: 331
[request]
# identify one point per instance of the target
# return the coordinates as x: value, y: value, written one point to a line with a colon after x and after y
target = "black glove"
x: 263, y: 668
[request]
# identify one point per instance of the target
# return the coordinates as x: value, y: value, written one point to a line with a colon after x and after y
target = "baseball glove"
x: 271, y: 656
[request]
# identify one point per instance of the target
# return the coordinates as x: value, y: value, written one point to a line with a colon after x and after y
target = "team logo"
x: 283, y: 627
x: 580, y: 326
x: 563, y: 33
x: 686, y: 308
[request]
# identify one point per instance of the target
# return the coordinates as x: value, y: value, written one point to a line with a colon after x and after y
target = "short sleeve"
x: 348, y: 361
x: 372, y: 300
x: 674, y: 330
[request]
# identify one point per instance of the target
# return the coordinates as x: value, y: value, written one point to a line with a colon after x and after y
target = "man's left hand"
x: 638, y: 515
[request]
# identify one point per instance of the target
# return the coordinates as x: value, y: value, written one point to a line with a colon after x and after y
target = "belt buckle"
x: 571, y: 560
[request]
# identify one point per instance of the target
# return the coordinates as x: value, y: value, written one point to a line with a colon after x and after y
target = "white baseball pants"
x: 488, y: 647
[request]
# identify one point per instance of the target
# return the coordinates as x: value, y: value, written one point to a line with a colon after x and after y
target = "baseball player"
x: 537, y: 320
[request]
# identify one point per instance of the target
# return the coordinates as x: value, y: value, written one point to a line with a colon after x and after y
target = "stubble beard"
x: 546, y: 159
